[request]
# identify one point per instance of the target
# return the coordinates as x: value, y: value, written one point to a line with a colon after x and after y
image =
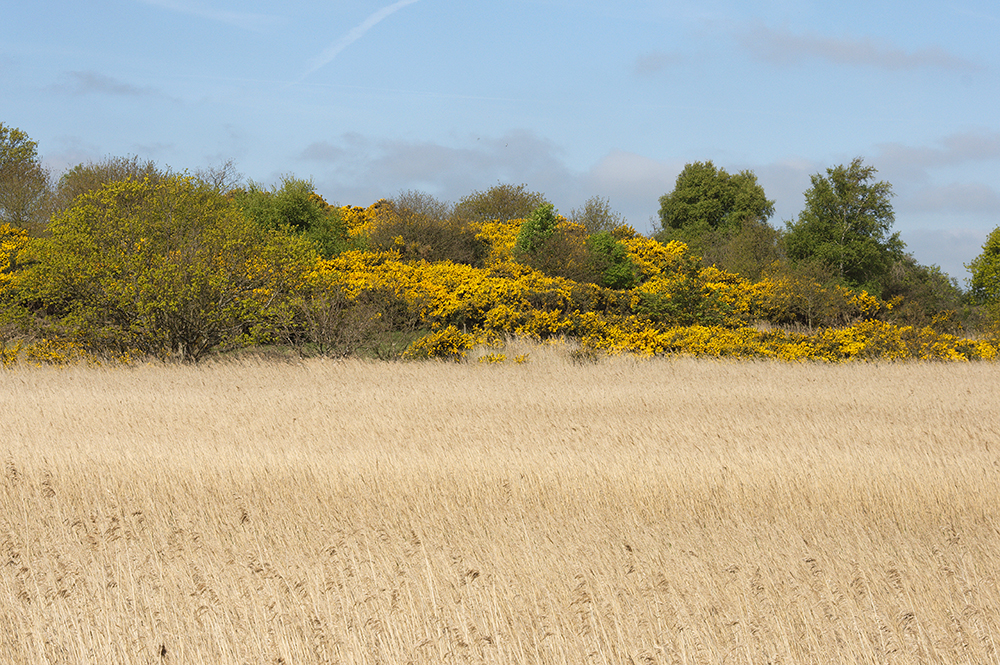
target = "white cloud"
x: 952, y: 150
x: 962, y: 198
x: 356, y: 170
x: 950, y: 249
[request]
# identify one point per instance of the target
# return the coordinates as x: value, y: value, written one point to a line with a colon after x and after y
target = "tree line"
x: 139, y: 257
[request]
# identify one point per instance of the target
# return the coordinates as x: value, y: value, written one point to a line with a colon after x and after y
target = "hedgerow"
x: 111, y: 291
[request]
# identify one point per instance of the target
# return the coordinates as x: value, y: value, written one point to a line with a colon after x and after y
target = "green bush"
x: 166, y: 267
x: 297, y: 209
x: 614, y: 268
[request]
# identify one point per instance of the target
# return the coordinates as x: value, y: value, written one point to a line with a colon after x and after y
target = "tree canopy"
x: 846, y: 226
x: 984, y: 286
x: 708, y: 198
x: 94, y: 175
x: 24, y: 182
x: 165, y: 267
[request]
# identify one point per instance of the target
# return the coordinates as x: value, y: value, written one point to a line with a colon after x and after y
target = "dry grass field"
x: 664, y: 511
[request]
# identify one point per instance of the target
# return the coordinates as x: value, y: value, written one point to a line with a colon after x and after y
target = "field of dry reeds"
x: 628, y: 511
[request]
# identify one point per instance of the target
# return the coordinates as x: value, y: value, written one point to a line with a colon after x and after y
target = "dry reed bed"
x: 668, y: 511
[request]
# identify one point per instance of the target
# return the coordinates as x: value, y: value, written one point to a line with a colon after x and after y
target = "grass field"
x: 663, y: 511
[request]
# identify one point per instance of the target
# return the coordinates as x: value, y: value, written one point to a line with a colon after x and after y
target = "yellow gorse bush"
x: 113, y: 266
x: 12, y: 241
x: 464, y: 305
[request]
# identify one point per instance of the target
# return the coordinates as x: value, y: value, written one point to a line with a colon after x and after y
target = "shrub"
x: 611, y: 262
x: 420, y: 234
x: 502, y: 202
x: 295, y: 208
x: 448, y: 344
x: 165, y: 267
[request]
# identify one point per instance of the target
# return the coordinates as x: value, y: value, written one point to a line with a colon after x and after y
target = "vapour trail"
x: 356, y: 33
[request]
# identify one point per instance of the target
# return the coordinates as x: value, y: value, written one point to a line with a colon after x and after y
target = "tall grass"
x: 664, y: 511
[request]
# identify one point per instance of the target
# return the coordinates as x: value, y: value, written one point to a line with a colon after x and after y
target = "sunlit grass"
x: 663, y: 511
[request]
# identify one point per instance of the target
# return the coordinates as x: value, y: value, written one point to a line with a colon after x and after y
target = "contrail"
x: 327, y: 56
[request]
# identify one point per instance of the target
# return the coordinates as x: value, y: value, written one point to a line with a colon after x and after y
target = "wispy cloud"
x: 246, y: 21
x: 356, y: 33
x: 785, y: 48
x: 87, y: 83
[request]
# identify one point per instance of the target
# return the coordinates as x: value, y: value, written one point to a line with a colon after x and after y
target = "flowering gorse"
x: 676, y: 307
x: 142, y: 267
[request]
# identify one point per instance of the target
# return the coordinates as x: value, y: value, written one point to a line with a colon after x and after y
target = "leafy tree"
x: 294, y: 207
x: 167, y: 267
x: 614, y: 268
x: 721, y: 217
x: 846, y: 226
x: 24, y: 183
x: 984, y: 286
x: 922, y: 295
x: 536, y: 229
x: 500, y: 202
x: 709, y: 199
x: 596, y: 215
x: 92, y: 176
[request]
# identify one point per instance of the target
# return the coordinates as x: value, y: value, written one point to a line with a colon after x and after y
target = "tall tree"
x: 984, y: 287
x: 846, y: 225
x: 24, y: 183
x: 721, y: 217
x: 706, y: 198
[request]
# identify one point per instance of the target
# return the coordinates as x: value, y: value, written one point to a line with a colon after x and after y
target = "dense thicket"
x: 132, y: 259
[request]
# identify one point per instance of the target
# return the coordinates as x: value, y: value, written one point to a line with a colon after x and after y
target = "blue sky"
x: 575, y: 99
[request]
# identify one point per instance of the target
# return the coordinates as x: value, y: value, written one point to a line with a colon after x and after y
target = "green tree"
x: 721, y: 217
x: 294, y: 207
x: 596, y: 215
x: 501, y: 202
x: 536, y: 229
x: 984, y: 285
x: 612, y: 264
x: 25, y: 186
x: 167, y: 267
x: 706, y: 199
x: 846, y: 226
